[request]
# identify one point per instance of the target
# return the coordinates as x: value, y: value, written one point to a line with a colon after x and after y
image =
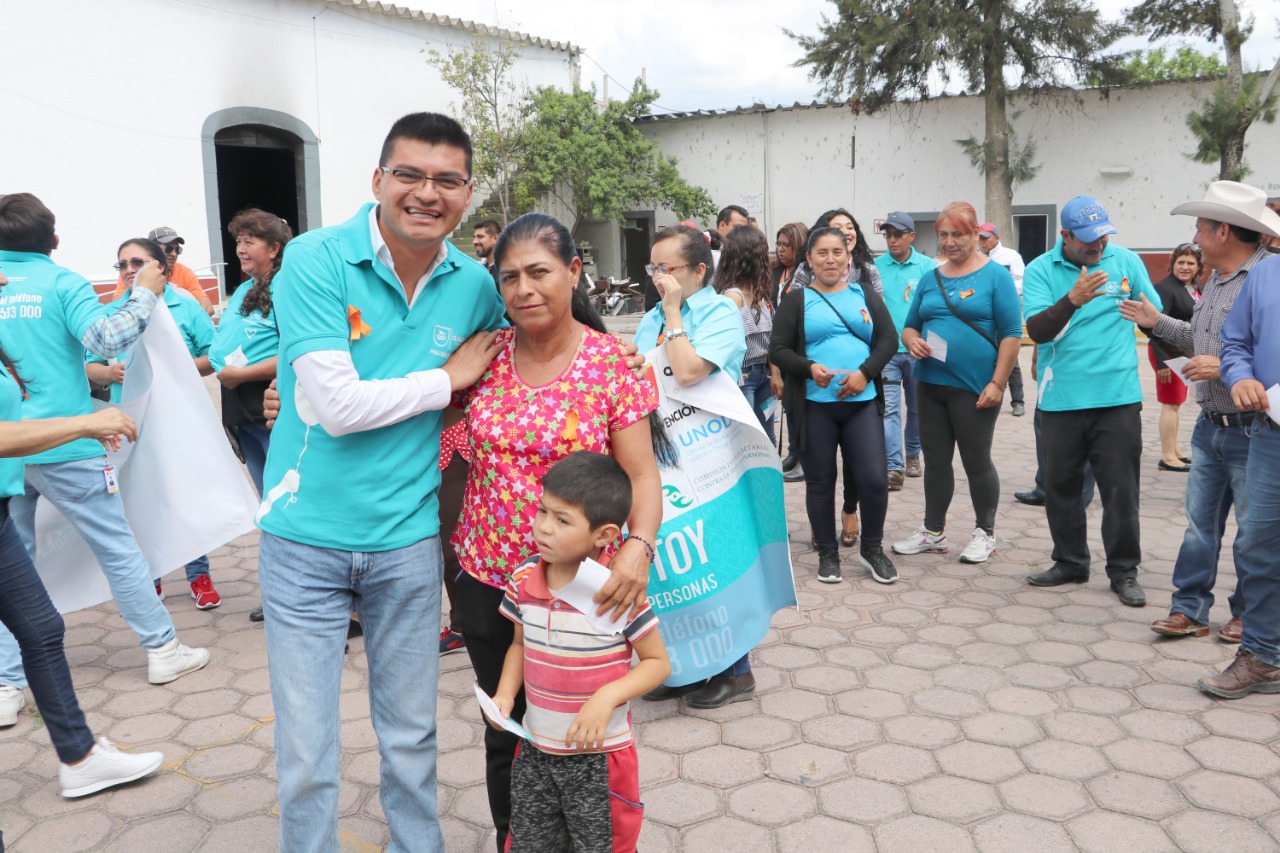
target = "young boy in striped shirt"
x: 576, y: 785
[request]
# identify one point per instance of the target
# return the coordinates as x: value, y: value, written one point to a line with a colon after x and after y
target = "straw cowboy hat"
x: 1235, y: 204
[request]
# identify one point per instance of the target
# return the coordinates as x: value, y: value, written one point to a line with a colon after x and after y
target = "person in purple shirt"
x: 1250, y: 365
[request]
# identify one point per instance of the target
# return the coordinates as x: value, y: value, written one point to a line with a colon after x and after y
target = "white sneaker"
x: 923, y: 540
x: 104, y: 767
x: 173, y: 660
x: 979, y: 548
x: 12, y: 700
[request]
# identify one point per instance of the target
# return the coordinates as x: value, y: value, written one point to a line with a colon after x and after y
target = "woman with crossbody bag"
x: 965, y: 326
x: 831, y: 340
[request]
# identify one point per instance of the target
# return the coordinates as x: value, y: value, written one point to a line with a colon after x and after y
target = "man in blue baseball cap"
x: 1090, y: 394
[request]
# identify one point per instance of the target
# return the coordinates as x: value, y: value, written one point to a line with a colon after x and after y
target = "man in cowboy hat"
x: 1090, y: 395
x: 1229, y: 223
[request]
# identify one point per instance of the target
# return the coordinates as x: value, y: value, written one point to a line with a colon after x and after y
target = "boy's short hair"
x: 26, y: 225
x: 594, y: 483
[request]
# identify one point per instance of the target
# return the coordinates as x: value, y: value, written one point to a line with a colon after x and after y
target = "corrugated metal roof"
x: 395, y: 11
x: 744, y: 110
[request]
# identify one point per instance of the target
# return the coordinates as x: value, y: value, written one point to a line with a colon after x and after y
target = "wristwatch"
x: 672, y: 334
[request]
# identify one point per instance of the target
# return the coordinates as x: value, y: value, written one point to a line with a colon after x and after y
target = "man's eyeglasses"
x: 132, y: 263
x: 894, y: 233
x: 445, y: 184
x: 663, y: 269
x: 174, y: 248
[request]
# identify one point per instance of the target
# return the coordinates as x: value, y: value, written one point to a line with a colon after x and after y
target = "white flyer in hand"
x: 581, y: 591
x: 937, y: 344
x: 1177, y: 365
x: 1273, y: 402
x: 490, y: 709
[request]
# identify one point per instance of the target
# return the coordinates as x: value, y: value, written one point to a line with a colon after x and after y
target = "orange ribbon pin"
x: 359, y: 328
x: 570, y: 431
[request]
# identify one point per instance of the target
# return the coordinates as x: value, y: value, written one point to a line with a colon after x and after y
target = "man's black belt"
x: 1231, y: 419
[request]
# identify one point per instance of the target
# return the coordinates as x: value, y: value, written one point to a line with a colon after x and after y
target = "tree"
x: 492, y: 112
x: 593, y: 159
x: 1159, y: 66
x: 879, y: 52
x: 1220, y: 123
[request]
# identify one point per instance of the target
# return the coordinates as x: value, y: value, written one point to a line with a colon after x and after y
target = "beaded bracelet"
x: 998, y: 385
x: 648, y: 548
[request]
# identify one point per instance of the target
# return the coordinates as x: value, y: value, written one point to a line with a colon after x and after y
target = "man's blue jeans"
x: 755, y: 387
x: 1217, y: 480
x: 80, y: 493
x: 1258, y: 548
x: 899, y: 383
x: 308, y: 595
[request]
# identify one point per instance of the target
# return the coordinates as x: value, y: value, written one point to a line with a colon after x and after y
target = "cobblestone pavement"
x: 958, y: 709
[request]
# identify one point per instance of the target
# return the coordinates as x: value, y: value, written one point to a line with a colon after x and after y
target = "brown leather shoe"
x: 1230, y: 632
x: 1245, y: 675
x: 1179, y: 625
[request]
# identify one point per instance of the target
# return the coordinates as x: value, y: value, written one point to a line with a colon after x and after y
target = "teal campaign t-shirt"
x: 714, y: 325
x: 255, y: 336
x: 45, y: 311
x: 193, y: 324
x: 899, y: 282
x: 987, y: 298
x: 1093, y: 362
x: 827, y: 340
x: 11, y: 483
x: 373, y: 490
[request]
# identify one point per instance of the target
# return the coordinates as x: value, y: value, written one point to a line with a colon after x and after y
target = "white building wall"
x: 791, y: 165
x: 103, y: 103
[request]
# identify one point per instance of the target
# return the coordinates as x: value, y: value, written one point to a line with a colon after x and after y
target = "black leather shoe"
x: 1029, y: 498
x: 1129, y: 592
x: 789, y: 462
x: 256, y: 615
x: 662, y: 691
x: 1057, y: 576
x: 723, y: 690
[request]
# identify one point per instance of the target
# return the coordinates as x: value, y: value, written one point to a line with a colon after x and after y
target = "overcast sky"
x: 704, y: 55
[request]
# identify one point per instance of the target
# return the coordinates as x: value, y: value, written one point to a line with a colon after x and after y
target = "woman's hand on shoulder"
x: 624, y: 593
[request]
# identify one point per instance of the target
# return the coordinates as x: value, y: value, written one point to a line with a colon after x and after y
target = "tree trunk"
x: 999, y: 192
x: 1231, y: 167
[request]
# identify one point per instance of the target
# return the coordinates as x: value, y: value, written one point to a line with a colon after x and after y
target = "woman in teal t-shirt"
x: 965, y: 326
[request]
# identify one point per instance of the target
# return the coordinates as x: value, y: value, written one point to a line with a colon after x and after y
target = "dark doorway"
x: 1033, y: 235
x: 257, y: 167
x: 637, y: 236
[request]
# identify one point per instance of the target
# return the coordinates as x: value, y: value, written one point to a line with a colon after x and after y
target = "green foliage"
x: 1022, y: 166
x: 1163, y: 18
x: 1158, y: 66
x: 594, y: 160
x: 1218, y: 120
x: 492, y: 112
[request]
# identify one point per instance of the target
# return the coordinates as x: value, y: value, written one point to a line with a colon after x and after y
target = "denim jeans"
x: 1258, y: 547
x: 308, y: 594
x: 1217, y: 480
x: 899, y: 383
x: 80, y: 493
x: 254, y: 441
x: 755, y: 387
x: 26, y: 610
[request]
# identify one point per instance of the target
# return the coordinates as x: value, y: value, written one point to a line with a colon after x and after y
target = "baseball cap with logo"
x: 899, y: 220
x: 987, y: 229
x: 165, y: 234
x: 1085, y: 217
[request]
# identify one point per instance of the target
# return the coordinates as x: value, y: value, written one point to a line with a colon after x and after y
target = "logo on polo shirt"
x: 442, y: 336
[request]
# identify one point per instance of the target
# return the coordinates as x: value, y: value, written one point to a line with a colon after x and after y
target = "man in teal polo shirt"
x: 1090, y: 394
x: 373, y: 315
x: 902, y: 269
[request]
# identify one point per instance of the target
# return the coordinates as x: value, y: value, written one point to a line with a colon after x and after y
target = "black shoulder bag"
x: 937, y: 276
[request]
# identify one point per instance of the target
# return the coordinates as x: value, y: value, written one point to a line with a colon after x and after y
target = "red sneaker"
x: 159, y: 591
x: 203, y: 592
x: 451, y: 641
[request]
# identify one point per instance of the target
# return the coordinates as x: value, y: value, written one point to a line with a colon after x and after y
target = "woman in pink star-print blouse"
x: 557, y: 385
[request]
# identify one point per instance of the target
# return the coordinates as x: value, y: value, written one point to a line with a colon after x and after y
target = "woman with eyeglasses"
x: 196, y: 330
x: 700, y: 332
x: 179, y: 275
x: 1177, y: 292
x: 832, y: 340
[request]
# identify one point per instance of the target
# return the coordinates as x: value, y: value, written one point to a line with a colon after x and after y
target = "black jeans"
x: 950, y: 418
x: 453, y: 484
x: 857, y: 430
x: 25, y: 609
x: 1086, y: 489
x: 489, y: 635
x: 1110, y: 439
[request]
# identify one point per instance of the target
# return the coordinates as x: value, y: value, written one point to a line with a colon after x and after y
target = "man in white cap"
x: 989, y: 243
x: 1229, y: 225
x: 1090, y: 394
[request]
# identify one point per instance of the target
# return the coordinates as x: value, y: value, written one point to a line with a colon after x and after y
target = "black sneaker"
x: 881, y: 567
x: 829, y: 566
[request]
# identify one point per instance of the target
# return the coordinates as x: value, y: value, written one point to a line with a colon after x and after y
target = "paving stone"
x: 168, y: 832
x: 680, y: 733
x: 1223, y: 792
x: 952, y: 799
x: 798, y: 705
x: 1006, y: 635
x: 1211, y: 832
x: 1002, y: 729
x: 840, y: 732
x: 720, y: 766
x: 1044, y: 796
x: 898, y: 679
x: 772, y: 803
x: 216, y: 731
x: 990, y: 654
x: 916, y: 832
x: 226, y: 762
x: 815, y: 637
x: 857, y: 658
x: 1135, y: 795
x: 728, y: 835
x: 807, y: 764
x: 788, y: 658
x: 890, y: 762
x: 164, y: 792
x: 1063, y: 759
x: 1243, y: 725
x: 1180, y: 698
x: 1040, y: 676
x: 970, y: 678
x: 1150, y: 758
x: 1021, y: 700
x: 1234, y: 756
x: 826, y: 679
x: 862, y: 801
x: 1087, y: 729
x: 871, y: 704
x: 981, y: 762
x: 1012, y: 833
x: 923, y: 655
x: 760, y: 733
x: 682, y: 803
x: 70, y: 833
x: 921, y: 731
x: 1110, y: 674
x: 1107, y: 832
x: 820, y: 833
x: 1164, y: 726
